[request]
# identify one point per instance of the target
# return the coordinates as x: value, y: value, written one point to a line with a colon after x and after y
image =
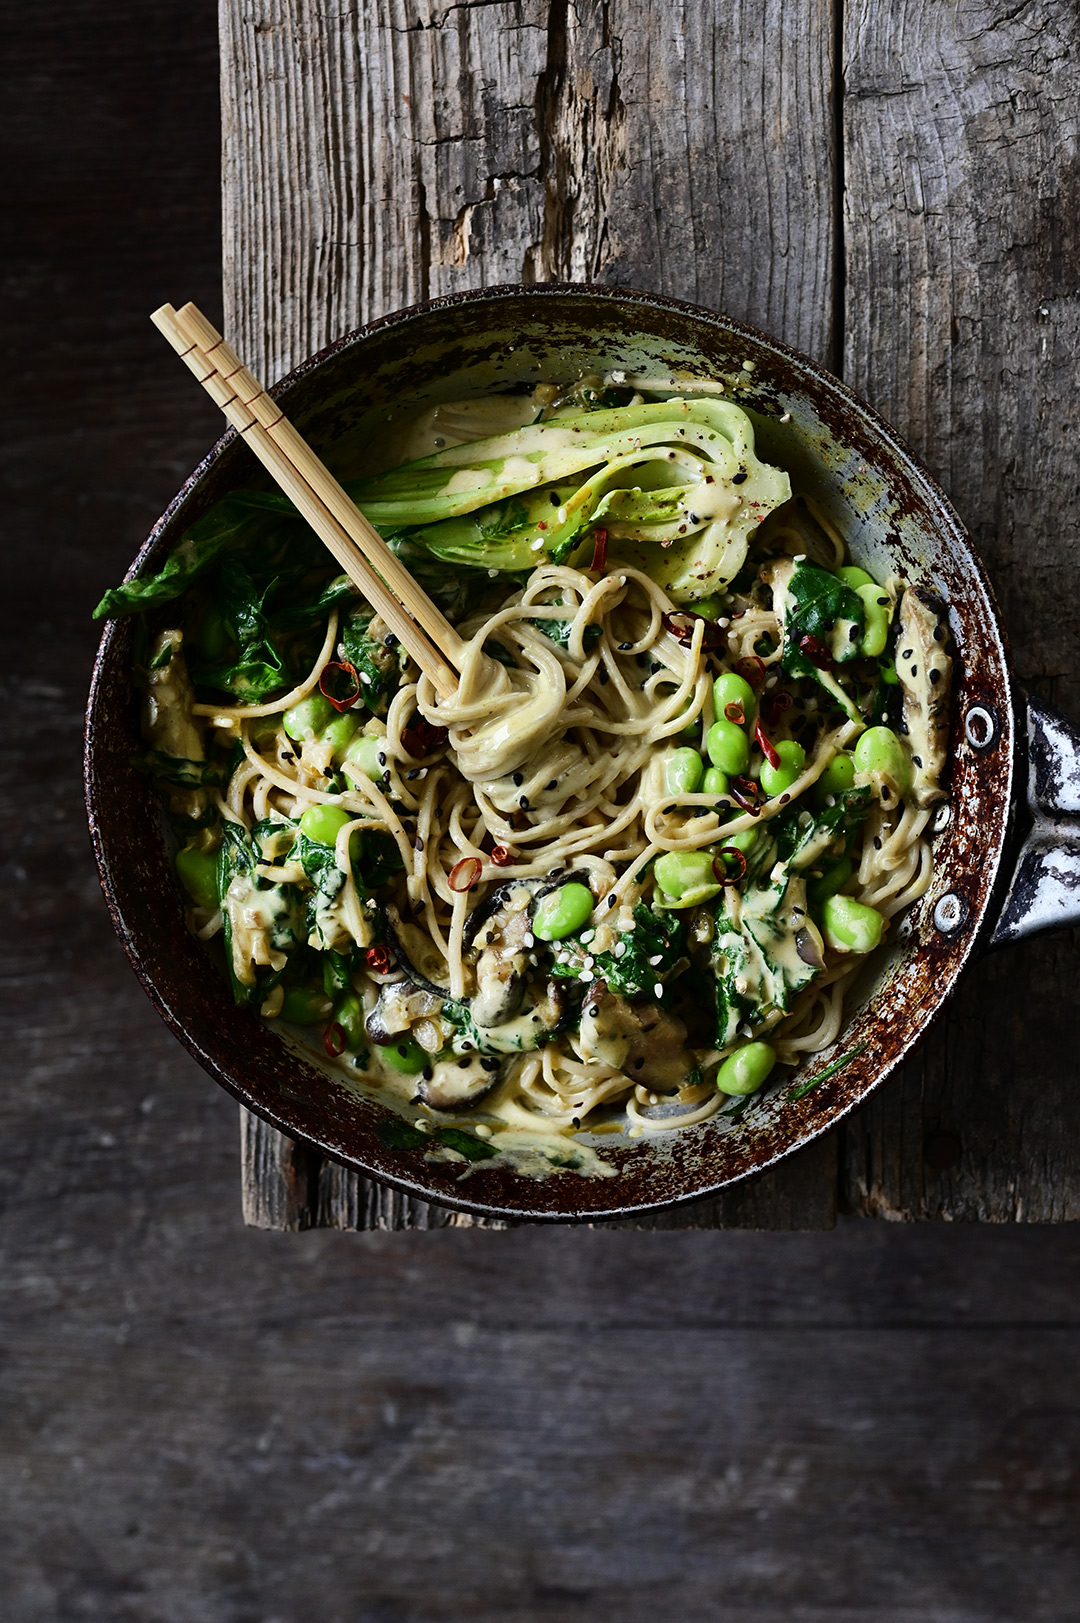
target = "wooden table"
x: 894, y: 190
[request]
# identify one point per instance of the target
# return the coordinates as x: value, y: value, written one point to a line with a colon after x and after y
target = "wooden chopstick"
x: 409, y: 613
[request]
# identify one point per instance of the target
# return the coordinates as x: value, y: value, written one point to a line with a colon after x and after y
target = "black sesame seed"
x: 625, y: 647
x: 906, y: 653
x: 390, y: 640
x: 638, y: 1063
x: 553, y: 498
x: 523, y: 803
x: 402, y: 1050
x: 883, y: 602
x: 934, y: 675
x: 914, y: 670
x: 654, y: 667
x: 489, y: 1064
x: 415, y: 773
x: 575, y: 1121
x: 612, y: 900
x: 739, y: 478
x: 463, y: 1064
x: 693, y: 518
x: 381, y: 757
x: 854, y: 634
x: 902, y: 727
x: 915, y: 761
x: 603, y: 677
x: 784, y: 799
x: 518, y: 779
x: 877, y: 842
x: 548, y: 787
x: 939, y: 632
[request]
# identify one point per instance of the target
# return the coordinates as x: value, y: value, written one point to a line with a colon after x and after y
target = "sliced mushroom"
x: 456, y: 1084
x: 415, y: 952
x: 544, y: 1012
x: 641, y: 1039
x: 925, y: 670
x: 401, y: 1004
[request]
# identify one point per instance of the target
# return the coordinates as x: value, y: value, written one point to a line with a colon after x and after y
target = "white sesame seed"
x: 586, y: 975
x: 659, y: 958
x: 658, y: 989
x: 482, y: 1130
x: 620, y: 948
x: 786, y: 418
x: 493, y: 574
x: 529, y: 939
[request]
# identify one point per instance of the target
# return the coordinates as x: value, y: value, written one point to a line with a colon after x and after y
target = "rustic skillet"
x: 896, y: 519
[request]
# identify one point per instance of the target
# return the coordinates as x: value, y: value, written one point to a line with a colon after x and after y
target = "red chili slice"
x: 341, y: 701
x: 765, y: 743
x: 378, y: 959
x: 680, y: 622
x: 599, y: 557
x: 464, y: 874
x: 752, y: 669
x: 774, y: 705
x: 720, y: 868
x: 421, y: 737
x: 816, y: 652
x: 745, y: 793
x: 335, y: 1039
x: 503, y: 855
x: 734, y: 712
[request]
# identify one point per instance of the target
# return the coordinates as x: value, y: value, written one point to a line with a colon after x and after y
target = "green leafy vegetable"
x: 174, y: 769
x: 402, y: 1135
x: 823, y: 622
x: 830, y: 1070
x: 378, y: 666
x: 631, y: 971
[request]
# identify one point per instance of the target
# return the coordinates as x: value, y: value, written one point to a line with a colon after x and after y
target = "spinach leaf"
x: 319, y: 863
x: 375, y: 857
x: 259, y: 668
x: 236, y: 858
x: 820, y: 606
x: 466, y: 1144
x: 238, y: 517
x: 631, y: 972
x: 559, y: 632
x: 402, y: 1135
x: 175, y: 769
x: 378, y: 666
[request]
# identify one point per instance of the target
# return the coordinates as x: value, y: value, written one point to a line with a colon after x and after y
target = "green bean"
x: 728, y: 747
x: 341, y: 731
x: 405, y: 1056
x: 686, y: 877
x: 303, y: 1006
x: 746, y: 1069
x: 324, y: 823
x: 851, y: 926
x: 731, y: 688
x: 684, y: 771
x: 364, y: 752
x: 308, y: 717
x: 777, y: 780
x: 837, y: 777
x: 878, y: 606
x: 562, y: 911
x: 198, y: 874
x: 834, y: 876
x: 715, y: 782
x: 853, y: 576
x: 878, y: 752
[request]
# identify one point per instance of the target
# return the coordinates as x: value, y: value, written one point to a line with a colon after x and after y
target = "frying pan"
x: 1006, y: 845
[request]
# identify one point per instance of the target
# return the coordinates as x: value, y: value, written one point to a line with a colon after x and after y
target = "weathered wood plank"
x: 963, y: 325
x: 382, y: 153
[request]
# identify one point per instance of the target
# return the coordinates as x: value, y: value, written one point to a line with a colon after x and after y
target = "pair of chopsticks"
x: 313, y: 490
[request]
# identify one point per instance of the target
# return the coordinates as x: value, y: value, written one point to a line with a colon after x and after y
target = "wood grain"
x: 376, y: 154
x: 962, y: 324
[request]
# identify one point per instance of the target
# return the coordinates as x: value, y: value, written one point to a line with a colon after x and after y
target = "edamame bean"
x: 837, y: 777
x: 853, y: 576
x: 746, y: 1069
x: 834, y: 876
x: 851, y: 926
x: 731, y: 688
x: 777, y: 780
x: 324, y: 823
x: 878, y: 606
x: 341, y: 731
x: 728, y: 747
x: 711, y: 607
x: 878, y: 752
x: 715, y: 782
x: 363, y: 754
x: 349, y: 1015
x: 405, y: 1056
x: 307, y: 718
x: 684, y: 772
x: 304, y: 1006
x: 743, y: 841
x: 198, y: 875
x: 562, y: 911
x: 686, y: 877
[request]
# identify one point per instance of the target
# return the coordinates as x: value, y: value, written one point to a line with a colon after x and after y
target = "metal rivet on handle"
x: 980, y: 727
x: 941, y: 819
x: 950, y: 913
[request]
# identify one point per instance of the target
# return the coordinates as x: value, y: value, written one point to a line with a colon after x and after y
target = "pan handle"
x: 1044, y: 892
